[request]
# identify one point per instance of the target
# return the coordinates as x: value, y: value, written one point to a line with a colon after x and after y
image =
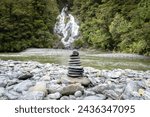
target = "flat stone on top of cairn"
x: 75, y: 69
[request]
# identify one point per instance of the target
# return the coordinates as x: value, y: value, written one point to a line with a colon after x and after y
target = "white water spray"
x: 67, y: 28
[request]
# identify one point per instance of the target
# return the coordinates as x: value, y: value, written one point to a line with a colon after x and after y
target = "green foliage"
x: 27, y: 23
x: 114, y: 24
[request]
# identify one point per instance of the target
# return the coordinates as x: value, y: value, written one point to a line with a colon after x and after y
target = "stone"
x: 40, y: 86
x: 53, y: 88
x: 146, y: 95
x: 64, y: 98
x: 114, y: 74
x: 10, y: 96
x: 72, y: 97
x: 71, y: 89
x: 35, y: 95
x: 25, y: 76
x: 2, y: 91
x: 93, y: 98
x: 100, y: 88
x: 69, y: 80
x: 75, y: 69
x: 78, y: 93
x: 3, y: 82
x: 45, y: 78
x: 56, y: 95
x: 89, y: 93
x: 141, y: 92
x: 131, y: 90
x: 112, y: 94
x: 23, y: 86
x: 103, y: 97
x: 131, y: 87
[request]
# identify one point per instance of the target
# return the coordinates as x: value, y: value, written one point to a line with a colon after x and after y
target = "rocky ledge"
x: 36, y: 81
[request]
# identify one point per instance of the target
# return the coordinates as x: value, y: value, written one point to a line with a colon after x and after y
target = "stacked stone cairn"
x: 75, y: 69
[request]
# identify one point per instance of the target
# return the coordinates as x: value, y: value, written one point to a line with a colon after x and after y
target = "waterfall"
x: 66, y: 28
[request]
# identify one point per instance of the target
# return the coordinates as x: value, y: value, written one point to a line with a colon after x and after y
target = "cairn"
x: 75, y: 69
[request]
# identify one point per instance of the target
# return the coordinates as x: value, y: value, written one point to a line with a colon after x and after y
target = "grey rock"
x: 25, y: 76
x: 3, y: 82
x: 112, y: 94
x: 23, y: 86
x: 40, y: 86
x: 2, y: 90
x: 53, y: 88
x: 78, y: 93
x: 3, y: 98
x: 10, y: 96
x: 12, y: 82
x: 114, y: 74
x: 64, y: 98
x: 72, y: 97
x: 100, y: 88
x: 89, y: 93
x: 103, y: 97
x: 56, y: 95
x: 146, y: 95
x: 82, y: 80
x: 35, y: 95
x: 93, y: 98
x: 71, y: 89
x: 131, y: 90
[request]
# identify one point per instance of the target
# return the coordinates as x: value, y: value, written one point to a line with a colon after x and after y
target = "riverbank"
x: 36, y: 81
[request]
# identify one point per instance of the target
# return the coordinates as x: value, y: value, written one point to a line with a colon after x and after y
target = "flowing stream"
x: 66, y: 28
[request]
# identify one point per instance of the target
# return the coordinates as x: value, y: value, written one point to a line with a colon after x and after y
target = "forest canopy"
x: 111, y: 25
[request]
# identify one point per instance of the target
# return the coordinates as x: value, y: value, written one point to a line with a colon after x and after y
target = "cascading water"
x: 67, y: 28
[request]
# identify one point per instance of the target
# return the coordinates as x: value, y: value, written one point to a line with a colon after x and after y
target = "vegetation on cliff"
x: 112, y: 25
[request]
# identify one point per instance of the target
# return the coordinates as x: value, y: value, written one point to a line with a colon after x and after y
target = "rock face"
x: 75, y: 69
x: 50, y: 82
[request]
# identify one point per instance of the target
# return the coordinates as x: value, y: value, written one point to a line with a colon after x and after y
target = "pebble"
x: 35, y: 95
x: 78, y: 93
x: 71, y: 89
x: 56, y: 95
x: 40, y: 86
x: 93, y: 98
x: 23, y: 86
